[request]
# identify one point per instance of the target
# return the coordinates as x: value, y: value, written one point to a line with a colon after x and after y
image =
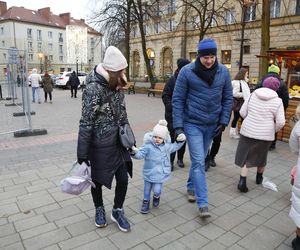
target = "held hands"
x: 134, y: 150
x: 219, y: 129
x: 179, y: 135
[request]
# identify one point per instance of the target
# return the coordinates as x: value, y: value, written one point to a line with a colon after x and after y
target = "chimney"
x: 3, y: 7
x: 82, y: 20
x: 65, y: 17
x: 45, y: 12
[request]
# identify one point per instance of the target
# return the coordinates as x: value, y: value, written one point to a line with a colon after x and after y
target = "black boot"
x: 259, y: 178
x: 296, y: 243
x: 212, y: 162
x: 242, y: 186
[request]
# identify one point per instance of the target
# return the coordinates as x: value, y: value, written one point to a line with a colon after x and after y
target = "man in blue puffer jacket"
x: 202, y: 103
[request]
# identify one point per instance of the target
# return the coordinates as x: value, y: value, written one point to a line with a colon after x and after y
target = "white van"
x: 64, y: 77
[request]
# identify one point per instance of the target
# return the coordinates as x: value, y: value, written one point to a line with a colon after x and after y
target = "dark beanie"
x: 207, y: 47
x: 271, y: 83
x: 181, y: 62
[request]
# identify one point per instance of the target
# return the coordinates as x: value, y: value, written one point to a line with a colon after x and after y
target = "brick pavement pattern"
x: 35, y: 214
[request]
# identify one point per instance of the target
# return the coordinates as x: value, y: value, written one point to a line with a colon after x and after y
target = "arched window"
x: 167, y: 62
x: 136, y: 64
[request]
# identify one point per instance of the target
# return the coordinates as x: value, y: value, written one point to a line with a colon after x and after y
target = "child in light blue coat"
x: 156, y: 152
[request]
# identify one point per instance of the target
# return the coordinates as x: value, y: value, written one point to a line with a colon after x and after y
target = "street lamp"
x: 40, y: 55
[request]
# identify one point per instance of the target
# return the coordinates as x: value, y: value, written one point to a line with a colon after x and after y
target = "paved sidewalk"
x: 35, y: 214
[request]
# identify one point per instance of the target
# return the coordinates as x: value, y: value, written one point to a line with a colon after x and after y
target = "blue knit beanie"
x: 207, y: 47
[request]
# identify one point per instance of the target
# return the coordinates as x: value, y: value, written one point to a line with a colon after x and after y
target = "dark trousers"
x: 50, y: 96
x: 214, y: 149
x: 180, y: 152
x: 236, y: 116
x: 74, y: 88
x: 120, y: 190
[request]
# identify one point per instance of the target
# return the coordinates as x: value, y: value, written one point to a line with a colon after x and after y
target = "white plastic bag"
x: 269, y: 184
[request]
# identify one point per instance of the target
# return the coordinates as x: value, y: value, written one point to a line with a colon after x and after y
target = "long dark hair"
x: 241, y: 74
x: 116, y: 79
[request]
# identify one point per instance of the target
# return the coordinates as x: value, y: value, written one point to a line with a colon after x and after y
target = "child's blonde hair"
x: 298, y: 111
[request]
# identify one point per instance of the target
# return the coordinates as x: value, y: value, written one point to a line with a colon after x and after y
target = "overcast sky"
x: 77, y: 8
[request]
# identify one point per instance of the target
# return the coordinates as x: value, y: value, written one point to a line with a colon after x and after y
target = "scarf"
x: 207, y: 75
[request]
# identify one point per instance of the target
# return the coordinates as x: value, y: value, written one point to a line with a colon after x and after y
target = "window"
x: 39, y: 35
x: 50, y: 57
x: 229, y: 16
x: 250, y: 13
x: 275, y: 8
x: 60, y: 49
x: 50, y: 34
x: 171, y: 7
x: 134, y: 33
x: 246, y: 49
x: 30, y: 57
x: 3, y: 43
x: 2, y: 30
x: 156, y: 9
x: 156, y: 28
x: 60, y: 37
x: 50, y: 46
x: 207, y: 20
x: 39, y: 46
x: 29, y: 33
x: 92, y: 42
x: 297, y: 7
x: 61, y: 58
x: 30, y: 46
x: 92, y: 52
x: 171, y: 25
x: 226, y: 56
x: 4, y: 56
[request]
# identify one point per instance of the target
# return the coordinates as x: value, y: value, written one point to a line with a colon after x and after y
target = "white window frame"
x: 230, y: 16
x: 29, y: 33
x: 39, y: 35
x: 250, y: 13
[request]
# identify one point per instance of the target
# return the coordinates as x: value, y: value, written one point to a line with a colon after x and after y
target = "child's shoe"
x: 155, y: 201
x: 145, y: 207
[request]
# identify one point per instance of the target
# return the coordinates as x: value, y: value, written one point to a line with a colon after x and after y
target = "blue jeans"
x: 36, y: 93
x: 148, y: 186
x: 199, y: 138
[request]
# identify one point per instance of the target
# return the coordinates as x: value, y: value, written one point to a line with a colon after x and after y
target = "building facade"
x: 170, y: 34
x: 53, y: 43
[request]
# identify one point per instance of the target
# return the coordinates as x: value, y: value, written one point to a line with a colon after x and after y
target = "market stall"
x: 289, y: 64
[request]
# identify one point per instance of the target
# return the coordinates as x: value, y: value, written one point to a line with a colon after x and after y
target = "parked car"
x: 64, y: 77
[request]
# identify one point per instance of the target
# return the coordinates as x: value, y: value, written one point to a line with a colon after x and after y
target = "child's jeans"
x: 148, y: 186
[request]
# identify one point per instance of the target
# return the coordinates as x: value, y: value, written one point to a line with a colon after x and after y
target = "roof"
x: 44, y: 17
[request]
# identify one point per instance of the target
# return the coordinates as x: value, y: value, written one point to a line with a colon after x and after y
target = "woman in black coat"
x: 103, y: 108
x: 167, y: 100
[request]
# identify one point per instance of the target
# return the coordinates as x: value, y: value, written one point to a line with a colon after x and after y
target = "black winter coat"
x: 98, y: 139
x: 74, y: 80
x: 282, y: 92
x: 167, y: 99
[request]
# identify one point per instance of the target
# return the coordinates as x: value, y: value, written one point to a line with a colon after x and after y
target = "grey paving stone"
x: 15, y: 246
x: 71, y: 219
x: 231, y: 219
x: 38, y: 187
x: 228, y: 239
x: 193, y: 241
x: 30, y: 222
x: 103, y: 243
x: 13, y: 193
x: 167, y: 221
x: 35, y: 201
x: 262, y: 238
x: 139, y: 233
x: 46, y: 239
x: 142, y: 246
x: 163, y: 239
x: 7, y: 229
x: 243, y: 229
x: 47, y: 208
x: 9, y: 209
x: 218, y: 198
x: 211, y: 231
x: 62, y: 213
x: 81, y: 227
x: 213, y: 245
x: 9, y: 240
x: 81, y: 240
x: 256, y: 220
x: 250, y: 208
x: 26, y: 234
x: 175, y: 245
x: 188, y: 227
x: 281, y: 223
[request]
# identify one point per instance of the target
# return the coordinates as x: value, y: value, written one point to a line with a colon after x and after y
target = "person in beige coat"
x: 295, y: 208
x: 263, y: 115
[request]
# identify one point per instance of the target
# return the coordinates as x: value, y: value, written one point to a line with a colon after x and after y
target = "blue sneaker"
x: 117, y: 216
x: 100, y: 220
x: 156, y: 201
x: 145, y: 207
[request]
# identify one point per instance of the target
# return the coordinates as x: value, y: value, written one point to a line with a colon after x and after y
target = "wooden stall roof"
x: 284, y: 53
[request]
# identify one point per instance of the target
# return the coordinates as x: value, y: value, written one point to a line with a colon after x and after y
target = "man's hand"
x: 134, y: 150
x: 86, y: 161
x: 219, y: 129
x: 179, y: 134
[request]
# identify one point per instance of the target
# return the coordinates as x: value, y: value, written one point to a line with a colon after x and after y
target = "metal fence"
x: 14, y: 94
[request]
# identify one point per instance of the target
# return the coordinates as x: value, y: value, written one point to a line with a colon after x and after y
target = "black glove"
x: 80, y: 161
x: 178, y: 131
x: 219, y: 129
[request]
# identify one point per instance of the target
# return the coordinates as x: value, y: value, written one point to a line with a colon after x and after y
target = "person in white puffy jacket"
x: 263, y: 115
x: 35, y: 80
x: 295, y: 208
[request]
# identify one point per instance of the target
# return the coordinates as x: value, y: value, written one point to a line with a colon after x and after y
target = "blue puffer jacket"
x: 157, y: 166
x: 197, y: 102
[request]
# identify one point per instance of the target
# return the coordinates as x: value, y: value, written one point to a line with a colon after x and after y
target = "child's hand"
x: 134, y: 150
x: 181, y: 137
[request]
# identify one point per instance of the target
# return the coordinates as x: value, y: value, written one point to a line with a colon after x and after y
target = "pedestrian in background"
x: 103, y: 108
x: 202, y: 102
x: 263, y: 115
x: 35, y: 80
x: 167, y: 100
x: 294, y: 143
x: 282, y: 92
x: 74, y: 83
x: 47, y: 84
x: 156, y: 151
x: 241, y: 92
